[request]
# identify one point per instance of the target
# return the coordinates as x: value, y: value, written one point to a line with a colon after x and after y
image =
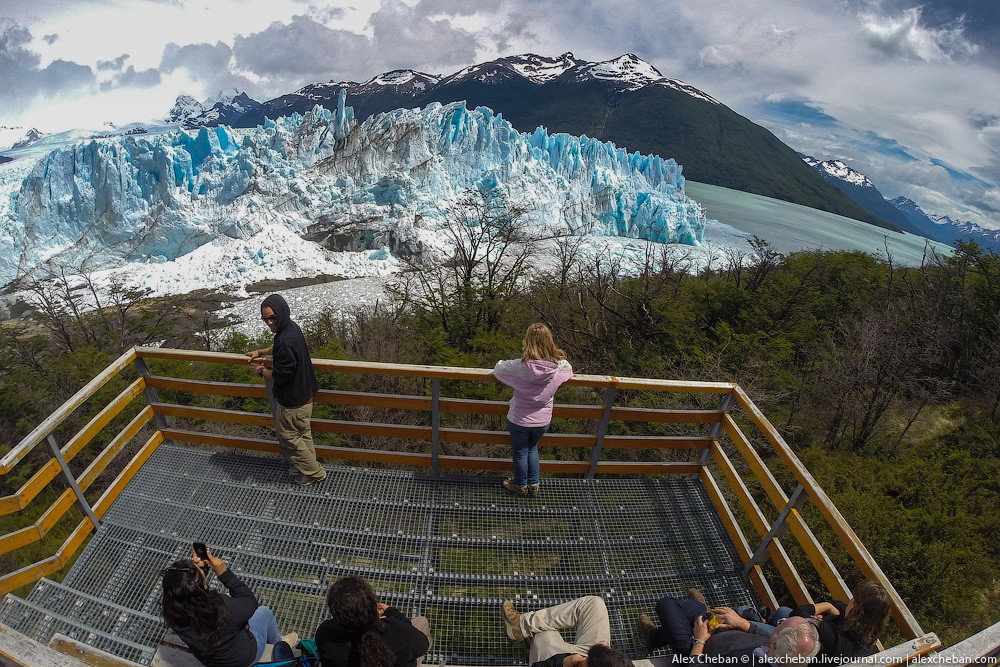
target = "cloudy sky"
x: 908, y: 93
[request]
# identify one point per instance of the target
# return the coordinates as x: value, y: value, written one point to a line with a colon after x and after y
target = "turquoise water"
x: 792, y: 227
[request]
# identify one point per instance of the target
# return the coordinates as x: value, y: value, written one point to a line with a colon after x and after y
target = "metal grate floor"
x: 450, y: 548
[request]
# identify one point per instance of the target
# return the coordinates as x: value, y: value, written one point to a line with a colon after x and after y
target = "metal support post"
x: 151, y: 396
x: 81, y: 500
x: 602, y: 428
x: 725, y: 404
x: 778, y: 529
x: 435, y: 425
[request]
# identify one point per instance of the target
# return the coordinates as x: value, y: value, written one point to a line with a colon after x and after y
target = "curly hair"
x: 186, y: 602
x: 600, y: 655
x: 867, y: 618
x: 352, y: 605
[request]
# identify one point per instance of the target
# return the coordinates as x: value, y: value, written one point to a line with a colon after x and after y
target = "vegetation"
x: 884, y: 379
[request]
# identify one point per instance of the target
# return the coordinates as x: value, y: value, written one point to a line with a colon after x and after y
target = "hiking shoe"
x: 645, y: 628
x: 532, y: 490
x: 695, y: 594
x: 512, y: 488
x: 302, y: 480
x: 512, y: 620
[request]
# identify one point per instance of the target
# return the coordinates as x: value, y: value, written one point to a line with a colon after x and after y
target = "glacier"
x: 384, y: 185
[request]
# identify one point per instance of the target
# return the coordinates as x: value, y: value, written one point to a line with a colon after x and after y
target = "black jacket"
x: 238, y: 647
x: 407, y: 642
x: 294, y: 379
x: 834, y: 645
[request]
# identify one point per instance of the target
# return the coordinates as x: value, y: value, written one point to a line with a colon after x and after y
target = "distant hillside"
x: 624, y: 100
x: 861, y: 191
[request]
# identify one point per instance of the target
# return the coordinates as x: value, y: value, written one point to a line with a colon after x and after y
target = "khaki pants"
x: 295, y: 437
x: 421, y: 623
x: 588, y: 615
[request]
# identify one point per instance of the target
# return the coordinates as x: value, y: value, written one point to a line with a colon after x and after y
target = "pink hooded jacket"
x: 534, y: 383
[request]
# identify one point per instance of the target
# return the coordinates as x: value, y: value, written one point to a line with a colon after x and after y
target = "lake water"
x: 792, y: 227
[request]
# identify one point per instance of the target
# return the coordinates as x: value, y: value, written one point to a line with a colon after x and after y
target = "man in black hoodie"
x: 294, y: 386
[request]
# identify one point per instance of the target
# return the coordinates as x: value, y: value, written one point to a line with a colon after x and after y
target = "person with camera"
x: 221, y: 630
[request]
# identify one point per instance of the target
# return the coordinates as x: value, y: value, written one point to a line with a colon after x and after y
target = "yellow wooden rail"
x: 455, y: 438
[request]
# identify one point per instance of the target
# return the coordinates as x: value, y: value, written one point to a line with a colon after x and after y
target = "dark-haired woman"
x: 221, y: 630
x: 366, y: 633
x: 848, y: 631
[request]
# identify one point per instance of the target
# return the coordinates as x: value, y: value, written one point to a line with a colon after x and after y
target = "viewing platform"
x: 655, y: 487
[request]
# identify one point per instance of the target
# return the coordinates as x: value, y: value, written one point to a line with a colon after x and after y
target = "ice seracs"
x: 389, y: 182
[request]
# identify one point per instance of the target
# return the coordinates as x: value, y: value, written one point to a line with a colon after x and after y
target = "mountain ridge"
x: 624, y: 100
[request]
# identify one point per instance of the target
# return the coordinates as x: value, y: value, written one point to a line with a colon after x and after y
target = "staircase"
x: 450, y: 548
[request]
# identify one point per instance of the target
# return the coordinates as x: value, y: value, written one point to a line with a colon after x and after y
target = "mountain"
x: 624, y: 100
x: 862, y: 191
x: 14, y: 137
x: 390, y: 183
x: 224, y: 109
x: 944, y: 229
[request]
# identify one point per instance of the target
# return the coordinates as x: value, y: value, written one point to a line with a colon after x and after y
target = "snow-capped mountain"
x: 946, y: 230
x: 838, y: 169
x: 222, y: 109
x: 861, y: 190
x: 15, y: 137
x: 151, y: 200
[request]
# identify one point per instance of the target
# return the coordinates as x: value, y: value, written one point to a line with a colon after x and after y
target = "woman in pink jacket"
x: 534, y: 378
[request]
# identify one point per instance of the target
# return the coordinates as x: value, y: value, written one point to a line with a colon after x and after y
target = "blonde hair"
x: 539, y: 344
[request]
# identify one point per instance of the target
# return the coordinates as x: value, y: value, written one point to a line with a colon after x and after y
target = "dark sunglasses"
x: 272, y: 318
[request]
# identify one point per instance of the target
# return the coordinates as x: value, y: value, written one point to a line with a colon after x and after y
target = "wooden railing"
x: 716, y: 435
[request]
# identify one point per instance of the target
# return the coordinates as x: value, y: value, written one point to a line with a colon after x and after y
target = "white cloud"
x: 904, y: 36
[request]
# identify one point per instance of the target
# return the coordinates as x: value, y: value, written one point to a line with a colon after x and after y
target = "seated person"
x: 793, y: 641
x: 591, y: 645
x: 221, y: 630
x: 677, y: 617
x: 849, y: 631
x: 364, y: 632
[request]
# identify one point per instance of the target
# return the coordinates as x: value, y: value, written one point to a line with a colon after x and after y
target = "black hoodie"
x: 294, y: 379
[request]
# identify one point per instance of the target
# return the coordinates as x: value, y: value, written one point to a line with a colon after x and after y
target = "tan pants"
x: 295, y: 437
x: 588, y: 615
x: 421, y: 623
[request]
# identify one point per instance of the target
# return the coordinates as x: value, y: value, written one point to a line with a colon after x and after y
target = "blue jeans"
x: 780, y: 614
x: 264, y: 629
x: 524, y: 441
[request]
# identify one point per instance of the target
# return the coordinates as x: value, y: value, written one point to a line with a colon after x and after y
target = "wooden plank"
x: 760, y: 524
x: 86, y: 654
x: 642, y: 467
x: 28, y: 574
x: 869, y: 567
x: 757, y: 465
x: 654, y: 415
x: 101, y: 419
x: 73, y: 542
x: 736, y: 536
x: 126, y: 475
x: 657, y: 442
x: 442, y: 372
x: 214, y: 414
x: 207, y: 387
x: 30, y: 489
x: 18, y: 650
x: 818, y: 557
x: 906, y: 653
x: 108, y: 454
x: 53, y: 420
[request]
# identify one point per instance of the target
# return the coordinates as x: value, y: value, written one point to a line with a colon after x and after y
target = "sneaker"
x: 695, y: 594
x: 646, y: 627
x: 512, y: 488
x: 512, y: 619
x: 302, y: 480
x: 532, y: 490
